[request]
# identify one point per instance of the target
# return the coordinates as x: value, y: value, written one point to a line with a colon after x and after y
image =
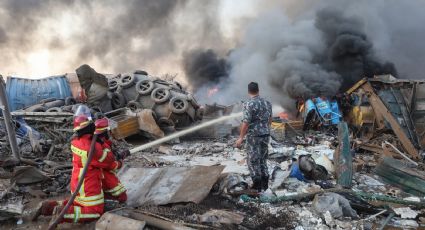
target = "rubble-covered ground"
x: 290, y: 203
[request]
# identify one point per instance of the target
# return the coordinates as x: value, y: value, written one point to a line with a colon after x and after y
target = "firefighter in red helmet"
x: 89, y: 202
x: 112, y: 186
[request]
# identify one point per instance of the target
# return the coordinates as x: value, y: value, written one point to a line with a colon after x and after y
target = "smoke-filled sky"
x: 291, y: 47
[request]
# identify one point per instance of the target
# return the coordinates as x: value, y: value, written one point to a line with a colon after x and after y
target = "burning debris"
x: 346, y: 148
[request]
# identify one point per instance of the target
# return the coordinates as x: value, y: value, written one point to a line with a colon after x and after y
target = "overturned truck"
x: 172, y: 107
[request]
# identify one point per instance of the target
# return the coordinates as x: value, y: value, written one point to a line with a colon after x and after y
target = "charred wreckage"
x: 348, y: 161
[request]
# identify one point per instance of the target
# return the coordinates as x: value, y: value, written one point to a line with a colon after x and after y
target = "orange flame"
x: 284, y: 116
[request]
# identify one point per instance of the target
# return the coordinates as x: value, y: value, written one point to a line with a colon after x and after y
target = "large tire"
x: 113, y: 84
x: 145, y: 87
x: 36, y: 108
x: 178, y: 85
x: 70, y: 101
x: 54, y: 109
x: 160, y: 95
x: 134, y: 106
x: 141, y: 72
x: 179, y: 105
x: 118, y: 101
x: 127, y: 80
x: 47, y: 100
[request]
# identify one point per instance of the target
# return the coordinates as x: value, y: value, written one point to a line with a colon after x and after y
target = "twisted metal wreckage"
x: 382, y: 115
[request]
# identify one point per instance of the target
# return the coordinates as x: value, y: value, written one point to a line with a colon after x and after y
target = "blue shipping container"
x: 24, y: 92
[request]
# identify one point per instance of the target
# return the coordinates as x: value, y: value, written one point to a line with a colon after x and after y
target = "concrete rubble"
x: 322, y: 176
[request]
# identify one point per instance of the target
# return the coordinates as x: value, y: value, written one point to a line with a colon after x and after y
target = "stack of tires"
x: 53, y: 105
x: 172, y: 106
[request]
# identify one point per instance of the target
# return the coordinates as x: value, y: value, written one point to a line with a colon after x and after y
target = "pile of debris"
x: 356, y: 175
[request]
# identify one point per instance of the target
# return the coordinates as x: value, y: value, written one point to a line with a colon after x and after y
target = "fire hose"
x: 184, y: 132
x: 134, y: 150
x: 80, y: 183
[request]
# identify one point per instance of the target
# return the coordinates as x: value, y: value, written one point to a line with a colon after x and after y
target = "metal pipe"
x: 80, y: 182
x: 8, y: 120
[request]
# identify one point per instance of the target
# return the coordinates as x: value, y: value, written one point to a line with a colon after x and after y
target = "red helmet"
x: 81, y: 122
x: 102, y: 124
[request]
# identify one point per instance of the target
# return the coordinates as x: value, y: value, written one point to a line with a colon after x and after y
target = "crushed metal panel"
x: 342, y: 157
x: 159, y: 186
x: 381, y: 110
x: 402, y: 175
x: 396, y: 104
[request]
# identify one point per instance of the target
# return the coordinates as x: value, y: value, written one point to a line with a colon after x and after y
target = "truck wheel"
x: 141, y: 72
x: 160, y: 95
x: 134, y: 106
x: 179, y: 105
x: 145, y: 87
x: 118, y: 101
x: 113, y: 84
x: 127, y: 81
x: 54, y: 109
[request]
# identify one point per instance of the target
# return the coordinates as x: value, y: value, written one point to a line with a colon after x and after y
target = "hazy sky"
x: 54, y: 50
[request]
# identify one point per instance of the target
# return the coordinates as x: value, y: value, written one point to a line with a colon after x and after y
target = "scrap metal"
x: 8, y: 120
x: 158, y: 186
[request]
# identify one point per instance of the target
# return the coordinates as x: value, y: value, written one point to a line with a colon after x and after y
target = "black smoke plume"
x: 349, y: 52
x: 204, y: 67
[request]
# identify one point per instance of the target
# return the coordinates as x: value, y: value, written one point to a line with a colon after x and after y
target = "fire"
x: 212, y: 91
x: 284, y: 116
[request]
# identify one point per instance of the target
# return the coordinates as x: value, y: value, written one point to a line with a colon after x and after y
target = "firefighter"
x: 112, y: 186
x: 89, y: 202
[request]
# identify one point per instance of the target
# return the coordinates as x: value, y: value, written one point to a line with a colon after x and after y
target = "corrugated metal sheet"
x: 24, y: 92
x: 159, y: 186
x: 394, y: 101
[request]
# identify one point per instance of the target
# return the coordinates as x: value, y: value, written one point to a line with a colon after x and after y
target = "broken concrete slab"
x: 148, y: 124
x: 158, y: 186
x: 220, y: 216
x: 110, y: 221
x: 336, y: 204
x: 406, y: 212
x: 28, y: 175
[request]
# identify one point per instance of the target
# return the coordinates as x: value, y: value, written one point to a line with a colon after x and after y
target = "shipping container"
x: 24, y: 92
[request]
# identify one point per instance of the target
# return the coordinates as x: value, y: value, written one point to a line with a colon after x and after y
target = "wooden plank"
x: 124, y: 126
x: 380, y: 109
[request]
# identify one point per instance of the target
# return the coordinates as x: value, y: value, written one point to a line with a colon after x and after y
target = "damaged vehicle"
x: 319, y: 112
x: 172, y: 107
